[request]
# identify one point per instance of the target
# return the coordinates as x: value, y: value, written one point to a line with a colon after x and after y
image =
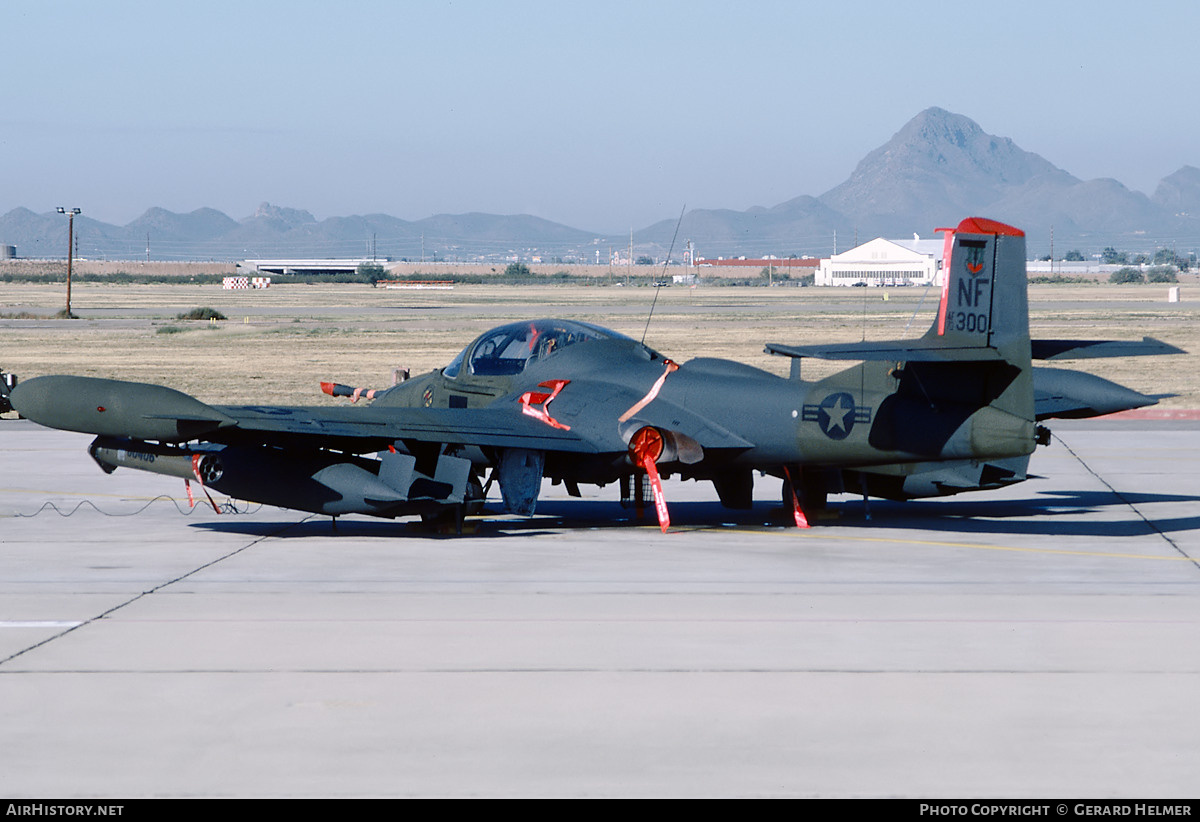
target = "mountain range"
x: 938, y: 168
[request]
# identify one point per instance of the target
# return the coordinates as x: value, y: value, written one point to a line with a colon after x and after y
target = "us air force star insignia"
x: 836, y: 415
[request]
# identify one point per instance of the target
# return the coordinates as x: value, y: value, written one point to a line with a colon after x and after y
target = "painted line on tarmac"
x: 947, y: 544
x: 1155, y: 414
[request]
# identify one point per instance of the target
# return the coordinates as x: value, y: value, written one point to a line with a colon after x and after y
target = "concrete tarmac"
x: 1042, y: 641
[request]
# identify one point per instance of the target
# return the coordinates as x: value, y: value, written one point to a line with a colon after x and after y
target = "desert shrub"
x: 1126, y: 275
x: 1054, y: 279
x: 201, y: 314
x: 370, y: 273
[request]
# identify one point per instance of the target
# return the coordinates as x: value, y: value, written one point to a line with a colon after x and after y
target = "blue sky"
x: 601, y: 116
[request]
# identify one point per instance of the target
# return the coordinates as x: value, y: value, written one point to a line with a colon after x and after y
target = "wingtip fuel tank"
x: 116, y: 408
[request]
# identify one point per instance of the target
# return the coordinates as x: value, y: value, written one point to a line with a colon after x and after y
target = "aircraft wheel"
x: 446, y: 520
x: 812, y: 493
x: 474, y: 498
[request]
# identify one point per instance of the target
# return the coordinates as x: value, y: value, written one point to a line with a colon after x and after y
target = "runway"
x: 1041, y: 641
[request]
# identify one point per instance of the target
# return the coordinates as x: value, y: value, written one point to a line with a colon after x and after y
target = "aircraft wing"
x: 142, y: 411
x: 370, y: 428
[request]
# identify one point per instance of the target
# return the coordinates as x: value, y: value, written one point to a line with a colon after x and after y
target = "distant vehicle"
x: 954, y: 410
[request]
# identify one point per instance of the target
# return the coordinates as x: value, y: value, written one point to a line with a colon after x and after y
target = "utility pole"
x: 70, y: 249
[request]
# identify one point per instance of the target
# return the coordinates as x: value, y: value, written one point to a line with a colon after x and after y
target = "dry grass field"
x: 279, y: 343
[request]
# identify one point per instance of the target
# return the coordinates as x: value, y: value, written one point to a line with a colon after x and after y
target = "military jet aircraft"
x: 954, y: 410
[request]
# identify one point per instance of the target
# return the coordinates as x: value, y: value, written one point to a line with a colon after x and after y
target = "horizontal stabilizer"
x: 917, y: 350
x: 922, y: 350
x: 1089, y: 349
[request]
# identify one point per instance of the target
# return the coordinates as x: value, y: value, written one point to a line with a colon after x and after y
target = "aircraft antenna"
x: 916, y: 310
x: 864, y: 316
x: 662, y: 278
x: 862, y: 371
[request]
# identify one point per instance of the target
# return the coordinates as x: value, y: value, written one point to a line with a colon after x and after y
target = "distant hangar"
x: 885, y: 262
x: 880, y: 262
x: 255, y: 268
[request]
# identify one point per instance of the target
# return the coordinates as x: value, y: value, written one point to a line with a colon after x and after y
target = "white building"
x: 885, y: 262
x: 249, y: 268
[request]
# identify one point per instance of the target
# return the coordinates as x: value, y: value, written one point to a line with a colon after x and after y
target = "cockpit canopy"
x: 507, y: 350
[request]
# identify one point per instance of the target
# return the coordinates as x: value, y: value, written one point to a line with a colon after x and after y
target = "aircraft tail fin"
x: 984, y: 301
